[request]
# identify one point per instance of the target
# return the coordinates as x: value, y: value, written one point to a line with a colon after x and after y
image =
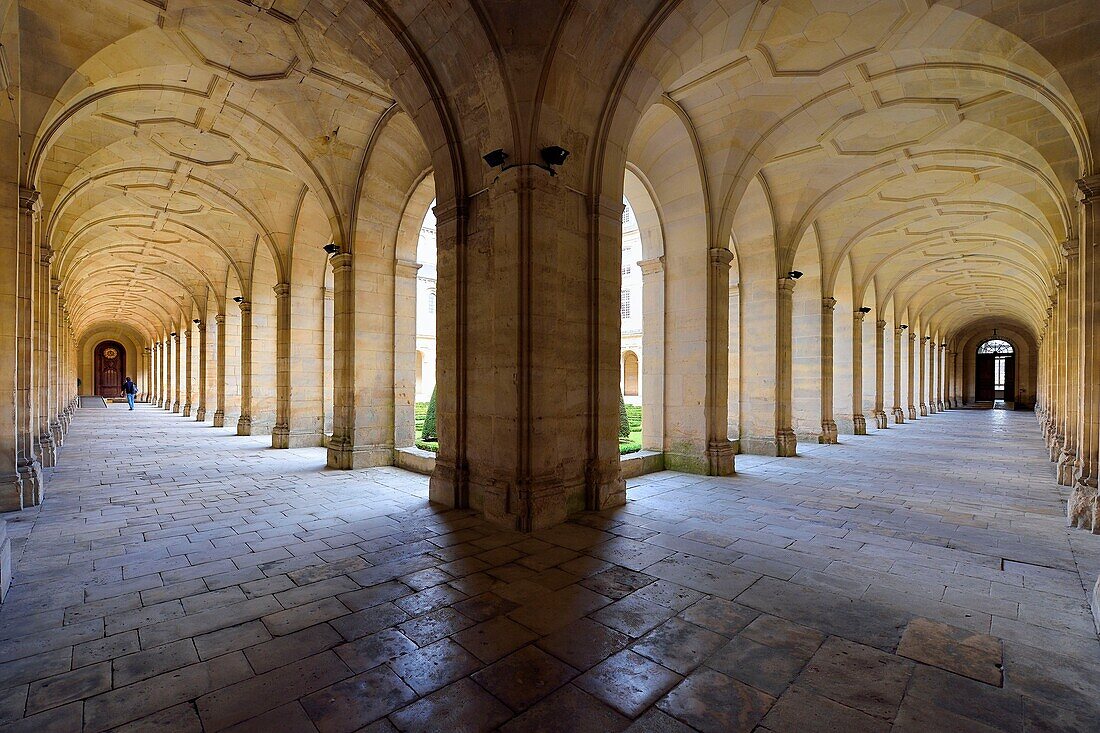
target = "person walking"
x: 131, y: 391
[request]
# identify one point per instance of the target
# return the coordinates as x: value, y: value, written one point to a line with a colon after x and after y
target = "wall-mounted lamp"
x: 173, y: 334
x: 904, y: 326
x: 238, y: 299
x: 553, y: 155
x: 794, y: 275
x: 943, y: 345
x: 865, y: 309
x: 332, y: 248
x: 197, y: 322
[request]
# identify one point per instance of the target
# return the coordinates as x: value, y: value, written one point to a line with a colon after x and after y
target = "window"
x: 624, y: 308
x: 626, y: 269
x: 431, y: 301
x: 630, y: 374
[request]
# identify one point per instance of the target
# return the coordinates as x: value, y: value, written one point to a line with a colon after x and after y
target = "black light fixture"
x: 865, y: 309
x: 943, y: 345
x: 238, y: 299
x: 904, y: 326
x: 173, y: 334
x: 554, y: 155
x: 196, y: 322
x: 495, y: 158
x: 332, y: 248
x: 794, y: 275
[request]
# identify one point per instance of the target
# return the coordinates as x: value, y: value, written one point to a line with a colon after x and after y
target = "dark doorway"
x: 995, y: 373
x: 110, y: 369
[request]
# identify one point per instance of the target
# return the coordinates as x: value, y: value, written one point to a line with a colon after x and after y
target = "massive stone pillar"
x: 200, y: 409
x: 162, y: 381
x: 147, y: 375
x: 244, y: 423
x: 720, y: 461
x: 1083, y: 508
x: 11, y: 483
x: 653, y: 352
x: 177, y: 372
x: 542, y: 374
x: 829, y: 433
x: 1057, y: 347
x: 30, y: 470
x: 280, y: 433
x: 341, y: 444
x: 188, y: 375
x: 219, y: 377
x: 912, y: 375
x: 154, y: 384
x: 941, y: 371
x: 880, y: 375
x: 859, y: 420
x: 785, y: 440
x: 896, y: 409
x: 1067, y: 459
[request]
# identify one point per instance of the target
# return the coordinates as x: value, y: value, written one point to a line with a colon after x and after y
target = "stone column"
x: 896, y: 409
x: 1057, y: 349
x: 880, y: 375
x: 147, y: 375
x: 912, y: 375
x: 859, y: 420
x: 1067, y: 459
x: 922, y: 386
x: 785, y: 440
x: 932, y: 375
x: 341, y: 443
x: 44, y: 393
x: 941, y: 370
x: 219, y: 377
x: 162, y: 382
x: 188, y: 375
x: 200, y: 410
x: 280, y: 433
x: 30, y: 470
x: 653, y: 352
x: 11, y: 482
x: 154, y: 385
x: 829, y: 433
x: 404, y: 336
x: 720, y: 461
x: 177, y: 372
x: 244, y: 423
x: 1083, y: 508
x: 56, y: 365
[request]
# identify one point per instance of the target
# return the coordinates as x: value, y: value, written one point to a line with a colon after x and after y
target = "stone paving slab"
x: 179, y: 577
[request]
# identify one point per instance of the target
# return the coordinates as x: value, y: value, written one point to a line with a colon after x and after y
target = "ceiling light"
x: 495, y: 158
x: 794, y: 275
x: 554, y: 155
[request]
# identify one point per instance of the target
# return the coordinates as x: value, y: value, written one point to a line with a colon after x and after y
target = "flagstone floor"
x: 921, y: 579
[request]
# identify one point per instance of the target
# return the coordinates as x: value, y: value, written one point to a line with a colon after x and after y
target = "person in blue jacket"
x: 131, y: 390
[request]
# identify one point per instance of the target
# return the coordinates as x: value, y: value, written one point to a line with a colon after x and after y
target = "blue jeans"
x: 130, y: 399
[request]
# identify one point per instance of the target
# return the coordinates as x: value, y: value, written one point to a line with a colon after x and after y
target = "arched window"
x: 431, y: 301
x: 1001, y: 350
x: 630, y: 374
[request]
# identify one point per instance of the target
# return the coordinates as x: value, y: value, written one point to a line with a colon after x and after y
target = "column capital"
x: 913, y: 337
x: 340, y: 262
x: 880, y: 324
x: 858, y: 316
x: 926, y: 339
x: 245, y: 306
x: 220, y: 319
x: 1071, y: 248
x: 45, y: 254
x: 407, y: 268
x: 175, y: 336
x: 28, y: 199
x: 786, y: 285
x: 828, y: 304
x: 1089, y: 187
x: 55, y: 287
x: 282, y: 290
x: 448, y: 211
x: 720, y: 257
x: 652, y: 266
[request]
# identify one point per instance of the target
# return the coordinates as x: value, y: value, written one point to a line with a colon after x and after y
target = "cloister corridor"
x: 179, y: 577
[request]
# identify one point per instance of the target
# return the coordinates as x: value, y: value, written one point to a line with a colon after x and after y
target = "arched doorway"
x: 110, y: 369
x: 995, y: 373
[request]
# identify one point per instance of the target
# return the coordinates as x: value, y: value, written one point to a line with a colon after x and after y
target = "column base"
x: 219, y: 419
x: 30, y: 480
x: 448, y: 485
x: 720, y: 461
x: 859, y: 424
x: 58, y: 433
x: 175, y: 406
x: 1083, y: 508
x: 829, y: 433
x: 912, y: 412
x: 1067, y: 463
x: 939, y: 406
x: 244, y: 425
x: 345, y: 456
x: 11, y: 493
x: 186, y: 409
x: 923, y: 409
x: 880, y: 420
x: 786, y: 443
x: 899, y: 415
x: 48, y: 450
x: 200, y: 414
x: 280, y: 436
x: 1056, y: 447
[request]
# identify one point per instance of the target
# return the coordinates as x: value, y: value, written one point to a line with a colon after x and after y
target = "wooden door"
x: 983, y: 378
x: 1010, y: 379
x: 110, y: 369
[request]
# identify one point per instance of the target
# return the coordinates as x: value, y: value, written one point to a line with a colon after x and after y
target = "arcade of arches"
x: 850, y: 215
